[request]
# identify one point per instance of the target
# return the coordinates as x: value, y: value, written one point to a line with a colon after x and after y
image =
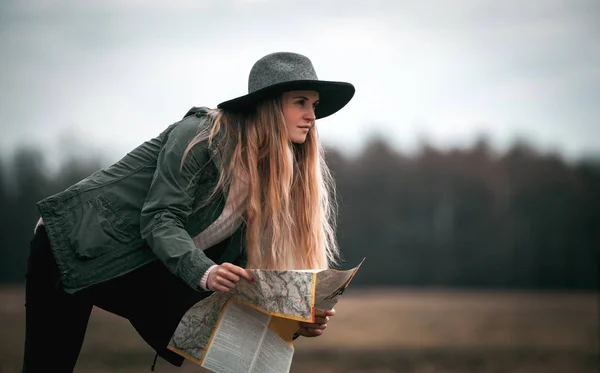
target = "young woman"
x: 183, y: 215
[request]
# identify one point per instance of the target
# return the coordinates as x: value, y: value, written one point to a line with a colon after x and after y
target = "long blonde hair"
x: 290, y: 206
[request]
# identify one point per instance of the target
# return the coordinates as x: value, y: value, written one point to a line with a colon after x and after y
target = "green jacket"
x: 139, y: 209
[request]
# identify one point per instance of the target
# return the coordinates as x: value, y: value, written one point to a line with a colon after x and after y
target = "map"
x: 195, y: 328
x: 288, y: 294
x: 251, y: 327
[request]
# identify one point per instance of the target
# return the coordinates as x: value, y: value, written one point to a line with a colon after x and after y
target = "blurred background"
x: 467, y: 164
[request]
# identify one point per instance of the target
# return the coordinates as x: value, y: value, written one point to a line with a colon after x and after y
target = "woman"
x: 183, y: 215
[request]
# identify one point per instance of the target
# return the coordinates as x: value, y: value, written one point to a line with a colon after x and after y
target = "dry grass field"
x: 380, y: 331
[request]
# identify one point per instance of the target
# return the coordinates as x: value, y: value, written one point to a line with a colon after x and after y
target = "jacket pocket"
x: 99, y: 228
x: 120, y: 227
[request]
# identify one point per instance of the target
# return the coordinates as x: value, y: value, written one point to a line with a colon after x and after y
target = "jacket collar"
x: 202, y: 112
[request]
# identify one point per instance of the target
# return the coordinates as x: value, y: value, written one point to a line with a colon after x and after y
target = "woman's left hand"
x: 318, y: 327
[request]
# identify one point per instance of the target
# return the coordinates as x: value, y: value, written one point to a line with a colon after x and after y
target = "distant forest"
x: 463, y: 218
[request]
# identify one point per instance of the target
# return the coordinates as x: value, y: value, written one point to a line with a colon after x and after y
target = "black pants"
x: 151, y: 298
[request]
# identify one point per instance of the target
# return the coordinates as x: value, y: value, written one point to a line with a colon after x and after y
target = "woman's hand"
x: 318, y: 327
x: 225, y: 276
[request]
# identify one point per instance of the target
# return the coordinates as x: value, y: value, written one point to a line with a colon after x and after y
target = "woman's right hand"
x: 225, y: 276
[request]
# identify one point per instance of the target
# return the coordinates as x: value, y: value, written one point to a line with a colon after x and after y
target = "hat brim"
x: 332, y: 96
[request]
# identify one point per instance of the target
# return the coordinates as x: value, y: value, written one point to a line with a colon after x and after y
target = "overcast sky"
x: 106, y: 75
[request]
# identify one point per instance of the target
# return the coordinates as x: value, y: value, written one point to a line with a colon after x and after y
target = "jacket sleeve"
x: 170, y: 201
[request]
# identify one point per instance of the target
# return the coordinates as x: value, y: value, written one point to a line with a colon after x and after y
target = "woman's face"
x: 299, y: 113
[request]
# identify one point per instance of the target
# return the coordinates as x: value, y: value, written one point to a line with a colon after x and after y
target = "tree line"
x: 458, y: 218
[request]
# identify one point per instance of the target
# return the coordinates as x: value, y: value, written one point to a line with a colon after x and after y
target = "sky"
x: 101, y: 76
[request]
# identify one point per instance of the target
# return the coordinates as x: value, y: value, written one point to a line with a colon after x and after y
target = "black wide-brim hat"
x: 280, y: 72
